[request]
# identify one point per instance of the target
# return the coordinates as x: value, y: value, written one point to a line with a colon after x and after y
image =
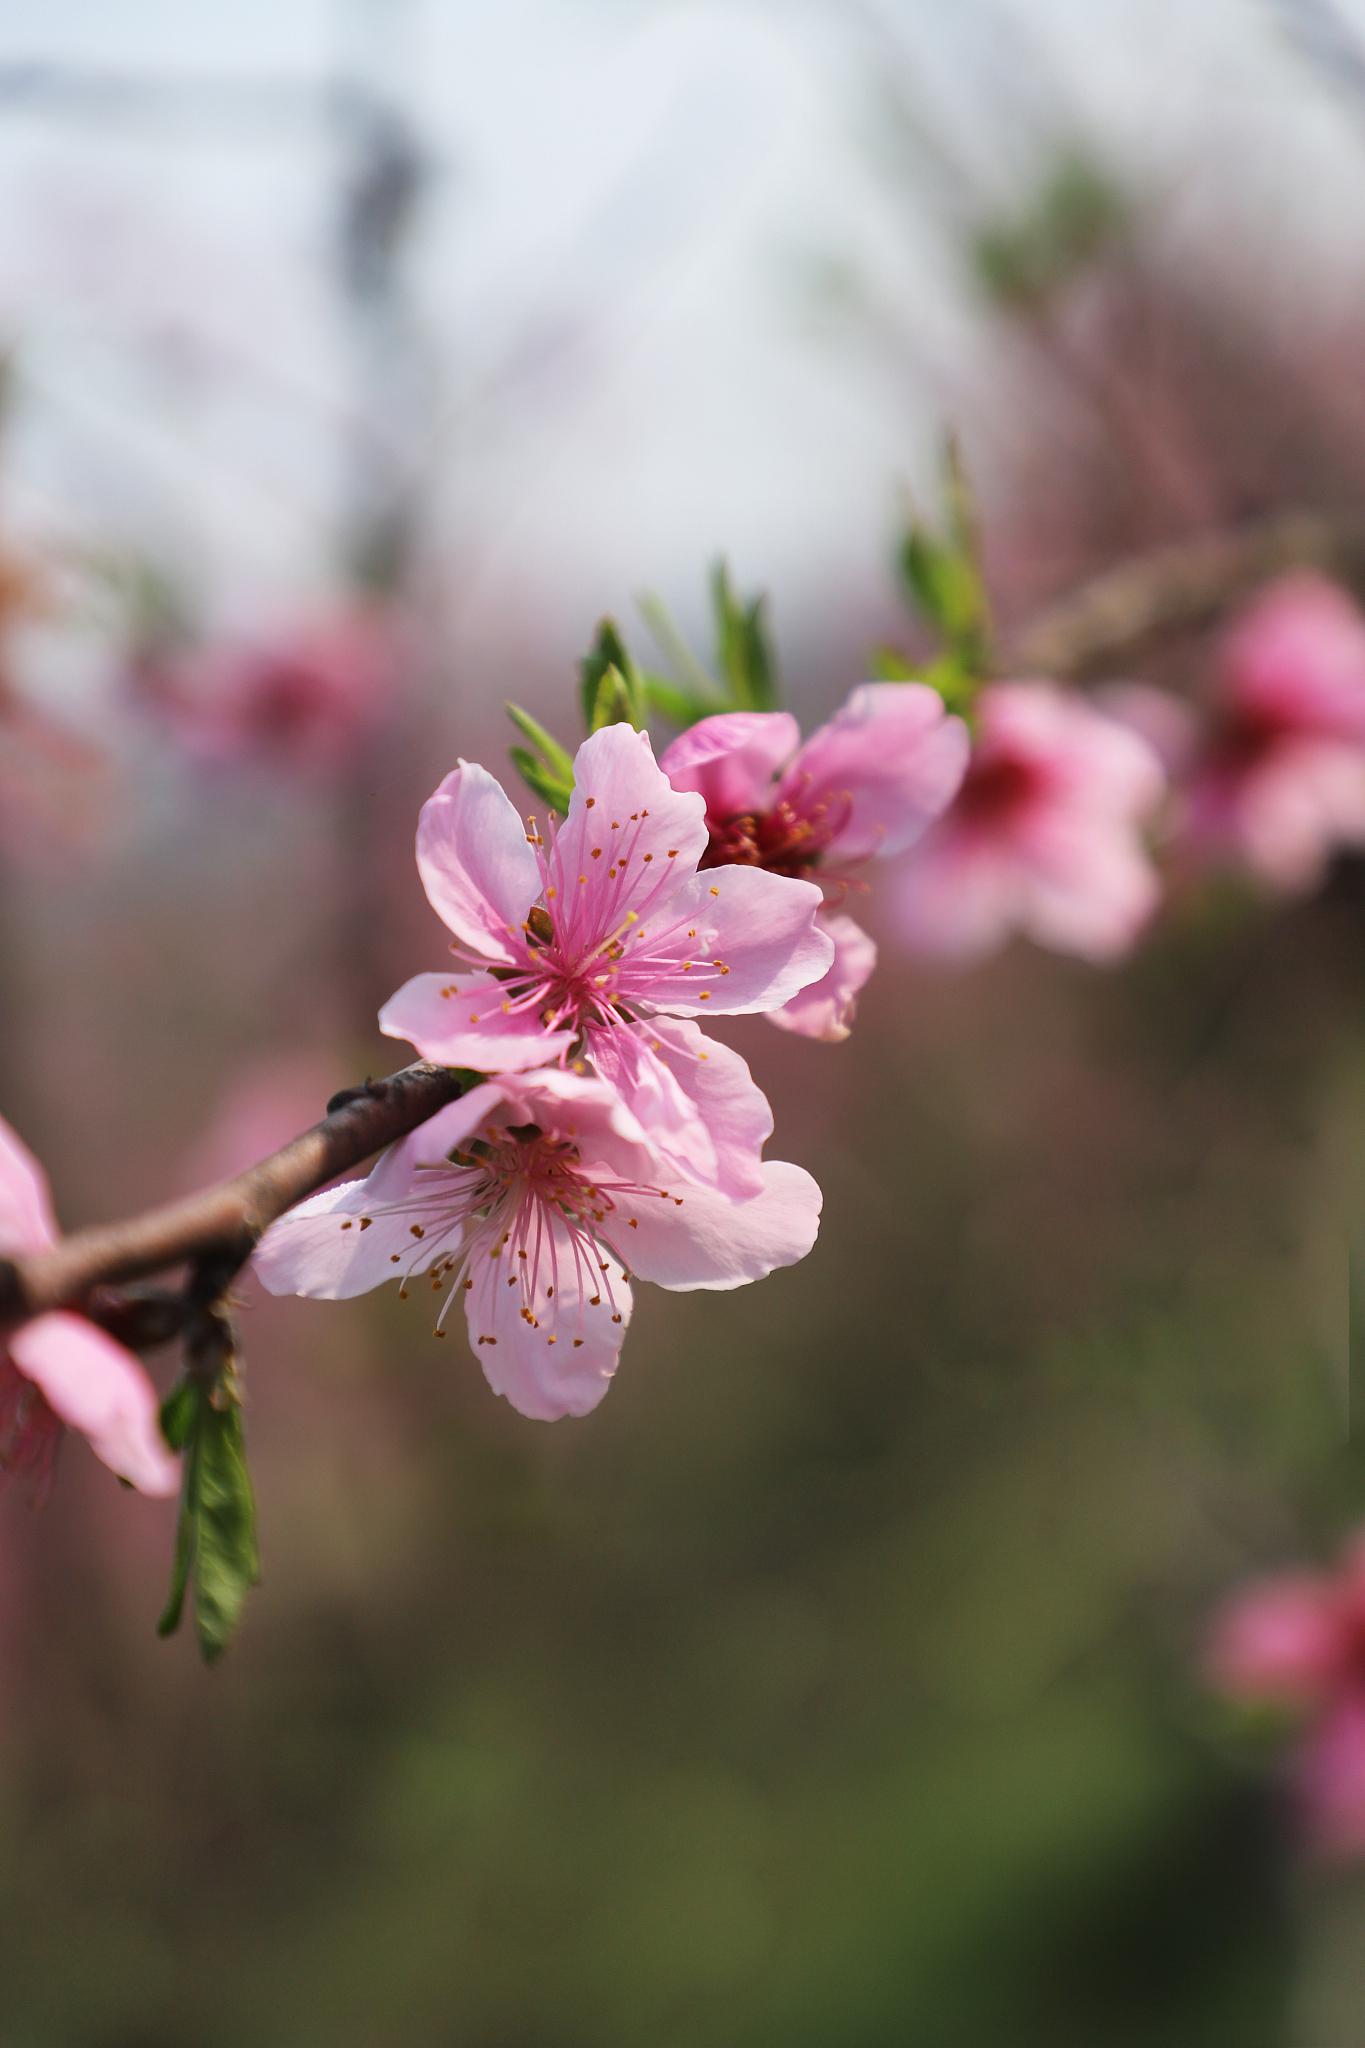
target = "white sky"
x: 625, y: 374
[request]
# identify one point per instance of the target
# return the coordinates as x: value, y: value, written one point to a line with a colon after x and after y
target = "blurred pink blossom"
x: 864, y: 786
x: 59, y: 1371
x: 533, y: 1200
x: 1278, y: 780
x: 596, y: 938
x: 1045, y: 835
x: 1297, y: 1640
x: 307, y: 697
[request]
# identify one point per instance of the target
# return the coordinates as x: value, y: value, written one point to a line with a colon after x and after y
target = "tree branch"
x: 214, y: 1232
x: 1178, y: 589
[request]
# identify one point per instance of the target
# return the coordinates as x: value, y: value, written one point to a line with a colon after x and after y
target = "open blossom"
x: 533, y: 1200
x: 1279, y: 780
x: 1045, y: 834
x: 1297, y: 1640
x: 59, y: 1371
x: 306, y: 696
x: 865, y: 785
x: 596, y: 939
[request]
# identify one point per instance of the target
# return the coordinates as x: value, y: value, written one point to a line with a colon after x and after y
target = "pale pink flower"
x: 1278, y: 781
x: 1297, y: 1640
x: 864, y: 786
x: 1045, y: 835
x: 307, y: 696
x: 533, y: 1200
x: 59, y: 1371
x: 596, y: 939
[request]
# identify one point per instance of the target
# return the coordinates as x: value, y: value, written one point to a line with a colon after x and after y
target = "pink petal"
x: 1331, y: 1781
x: 732, y: 760
x: 546, y: 1379
x: 622, y: 805
x: 1084, y: 887
x: 888, y: 763
x: 1164, y: 721
x: 706, y: 1116
x: 1090, y: 760
x: 480, y: 874
x: 706, y: 1241
x: 96, y: 1387
x: 957, y: 895
x: 27, y: 1223
x: 1295, y: 658
x: 760, y: 928
x: 826, y: 1009
x: 467, y: 1020
x: 1298, y: 807
x: 1277, y: 1641
x: 310, y: 1251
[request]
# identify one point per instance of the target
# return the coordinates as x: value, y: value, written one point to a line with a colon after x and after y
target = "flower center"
x: 996, y: 786
x: 787, y: 839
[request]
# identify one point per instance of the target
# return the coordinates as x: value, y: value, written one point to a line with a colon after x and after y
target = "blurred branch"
x: 214, y: 1232
x: 1178, y: 589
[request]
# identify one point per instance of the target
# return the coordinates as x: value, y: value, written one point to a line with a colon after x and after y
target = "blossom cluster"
x: 608, y: 1136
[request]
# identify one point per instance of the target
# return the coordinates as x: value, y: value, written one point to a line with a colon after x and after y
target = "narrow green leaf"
x: 183, y: 1560
x: 546, y: 745
x: 744, y: 653
x: 226, y: 1560
x: 552, y: 789
x: 888, y: 665
x: 681, y: 707
x: 607, y: 652
x: 615, y: 703
x: 178, y: 1413
x: 699, y: 685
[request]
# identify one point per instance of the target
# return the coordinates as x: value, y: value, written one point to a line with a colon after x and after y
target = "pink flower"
x: 532, y: 1200
x: 308, y: 696
x: 1297, y: 1640
x: 1045, y: 836
x: 59, y: 1371
x: 598, y: 940
x: 1279, y: 780
x: 864, y: 786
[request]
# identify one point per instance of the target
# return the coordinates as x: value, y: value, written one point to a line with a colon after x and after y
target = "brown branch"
x: 1178, y: 589
x: 216, y: 1231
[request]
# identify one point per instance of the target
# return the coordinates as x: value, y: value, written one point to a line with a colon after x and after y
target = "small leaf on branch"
x: 545, y: 744
x: 552, y: 789
x: 609, y: 682
x: 744, y: 652
x: 941, y: 575
x: 215, y: 1538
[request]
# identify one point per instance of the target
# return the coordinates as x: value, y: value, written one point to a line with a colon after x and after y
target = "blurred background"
x: 833, y: 1683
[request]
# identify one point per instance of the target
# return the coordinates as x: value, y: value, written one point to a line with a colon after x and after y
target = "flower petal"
x: 1280, y: 1640
x: 27, y: 1223
x: 468, y: 1020
x: 887, y: 764
x: 703, y: 1240
x: 558, y: 1357
x: 826, y: 1009
x: 627, y: 839
x: 93, y: 1385
x: 734, y: 940
x: 360, y: 1234
x: 957, y: 894
x: 706, y: 1116
x: 732, y: 760
x: 478, y: 870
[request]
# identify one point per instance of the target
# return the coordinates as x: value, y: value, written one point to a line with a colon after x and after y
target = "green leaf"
x: 215, y: 1535
x: 693, y: 681
x: 616, y: 702
x: 681, y: 707
x: 546, y: 745
x: 178, y: 1413
x: 226, y: 1560
x: 605, y: 657
x: 744, y: 653
x: 552, y: 789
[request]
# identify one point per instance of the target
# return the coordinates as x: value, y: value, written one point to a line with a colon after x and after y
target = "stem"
x: 216, y: 1231
x: 1177, y: 589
